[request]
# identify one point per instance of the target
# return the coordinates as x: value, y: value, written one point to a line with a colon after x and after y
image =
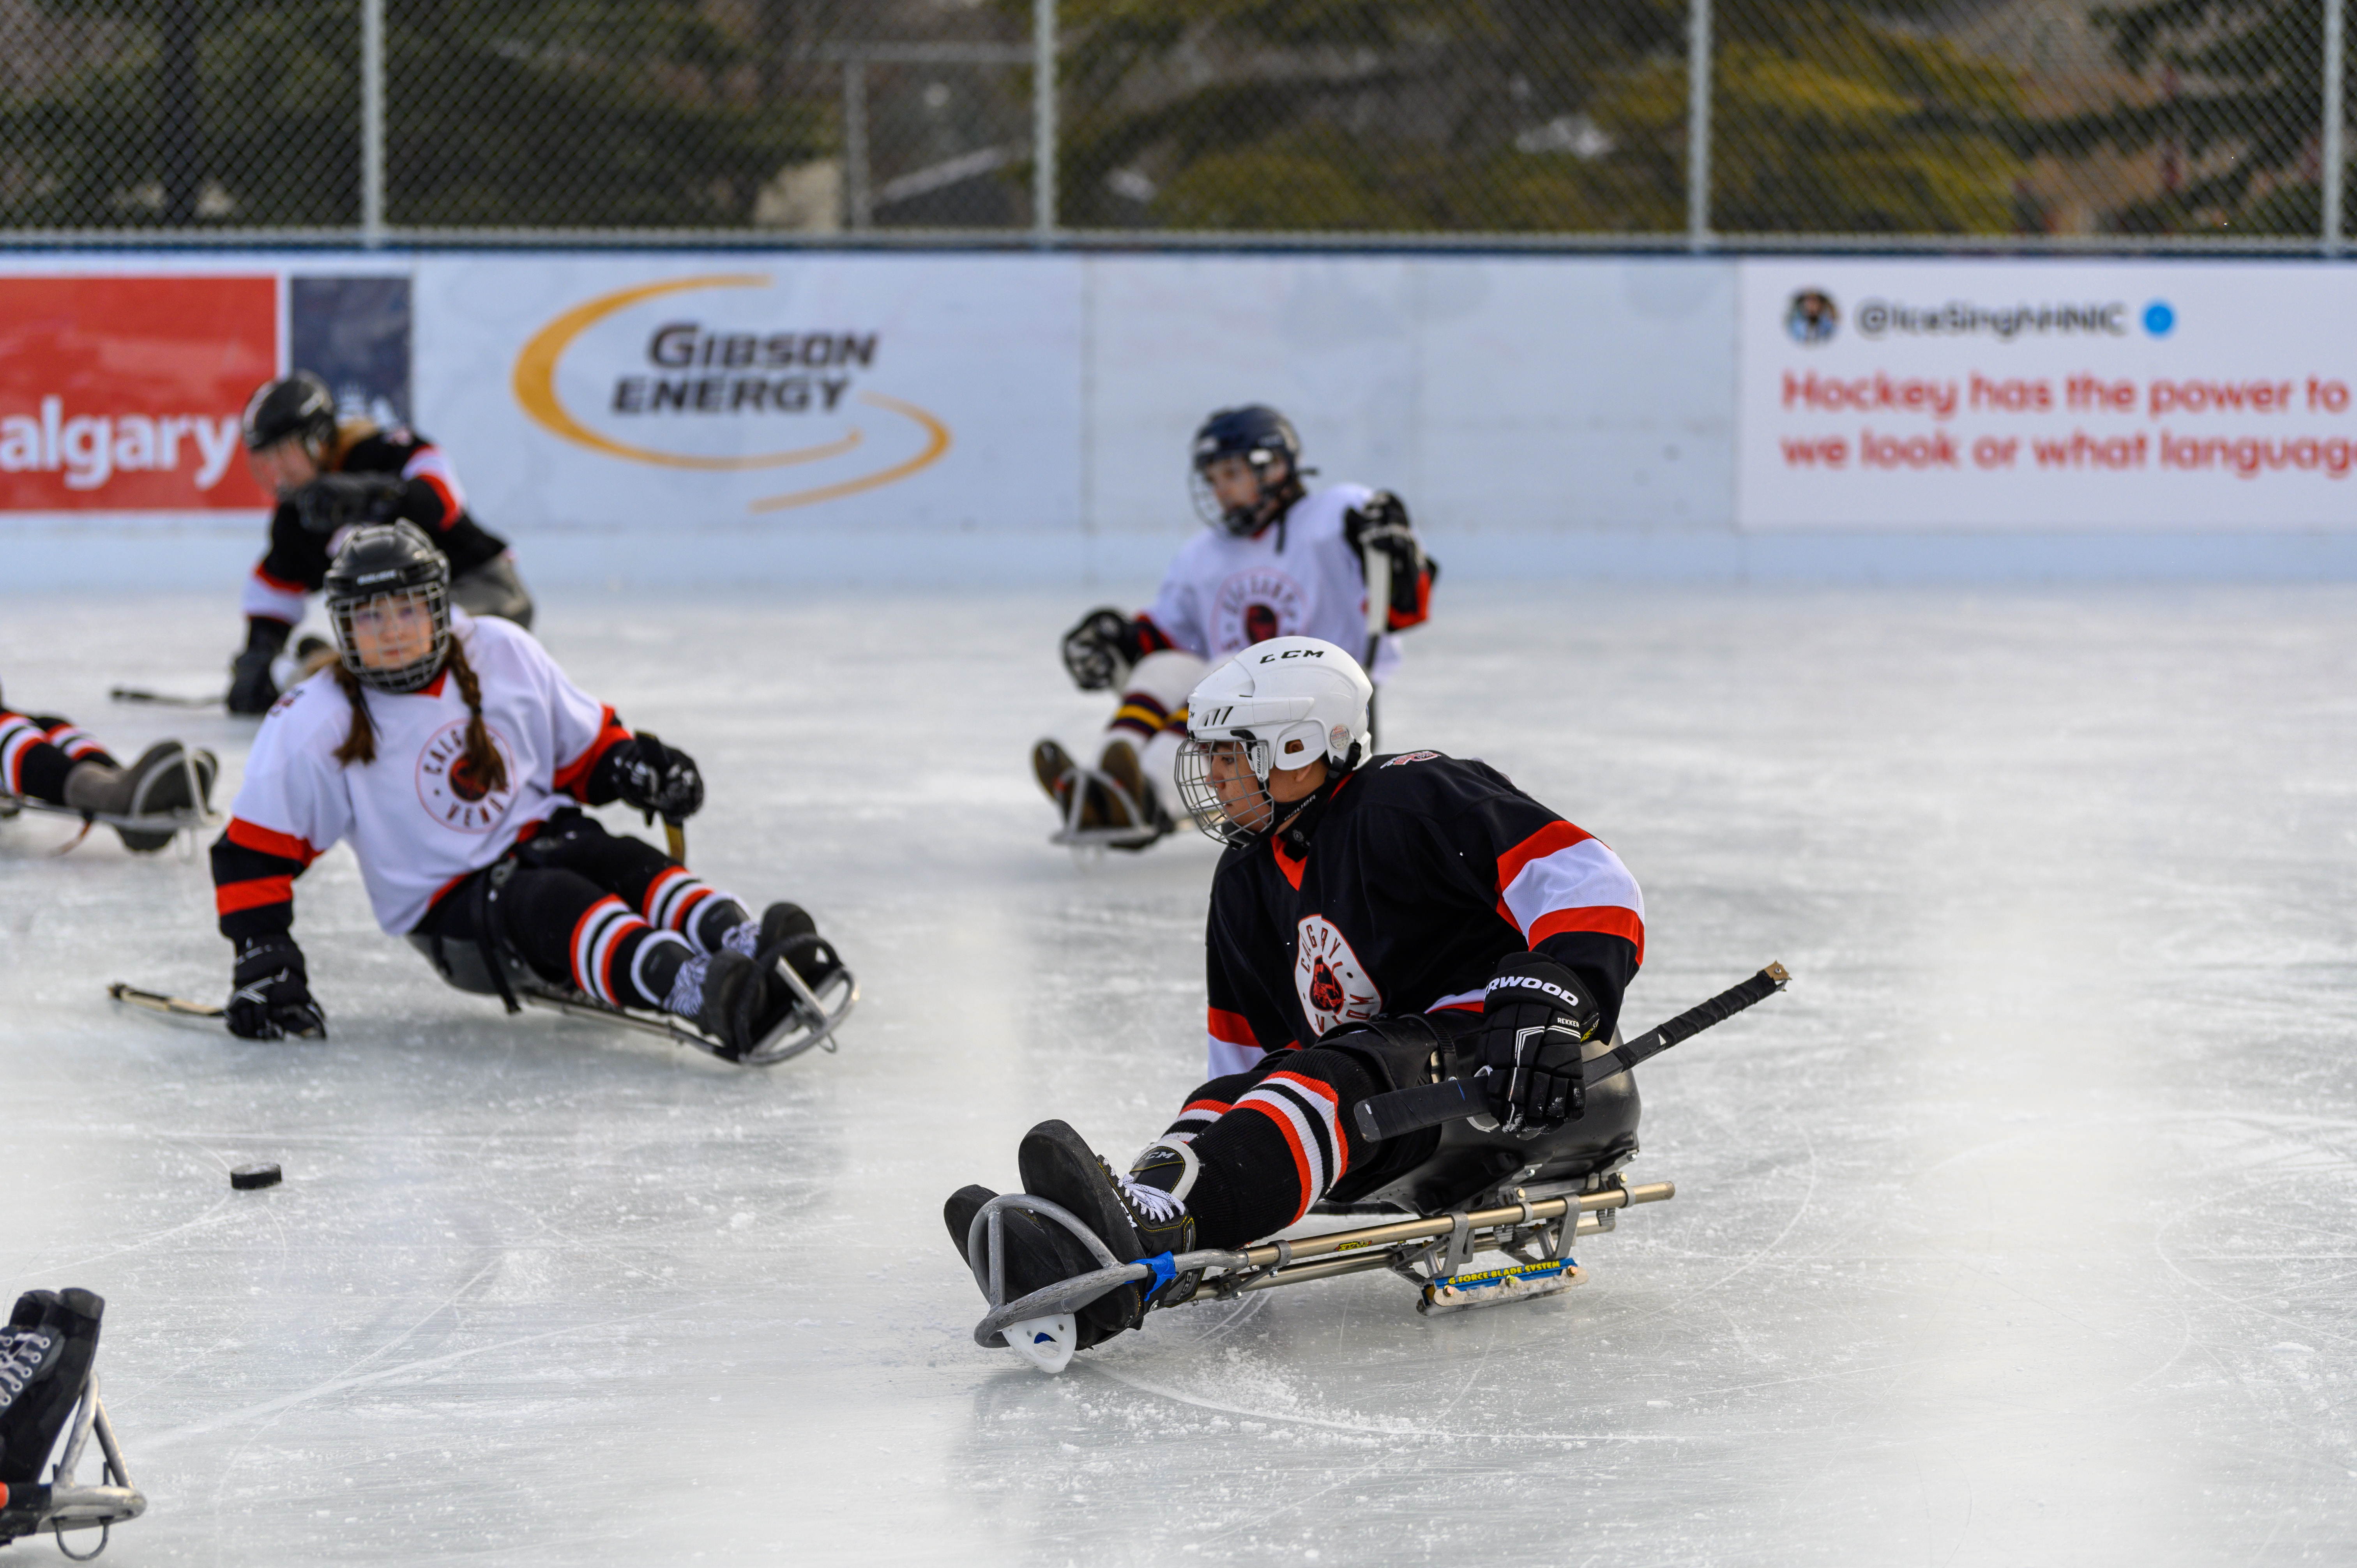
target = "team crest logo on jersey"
x: 1334, y: 988
x: 450, y: 789
x: 1254, y: 605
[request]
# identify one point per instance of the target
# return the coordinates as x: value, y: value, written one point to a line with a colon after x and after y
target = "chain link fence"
x: 1706, y: 123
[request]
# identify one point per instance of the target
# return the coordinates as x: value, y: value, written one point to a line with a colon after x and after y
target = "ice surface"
x: 2020, y: 1230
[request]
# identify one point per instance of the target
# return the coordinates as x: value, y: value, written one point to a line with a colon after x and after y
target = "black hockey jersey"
x: 430, y: 496
x: 1417, y: 874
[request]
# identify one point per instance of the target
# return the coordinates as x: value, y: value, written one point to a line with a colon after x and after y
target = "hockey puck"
x: 247, y: 1178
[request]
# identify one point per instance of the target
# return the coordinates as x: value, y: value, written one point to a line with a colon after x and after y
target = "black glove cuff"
x: 258, y: 956
x: 1529, y: 979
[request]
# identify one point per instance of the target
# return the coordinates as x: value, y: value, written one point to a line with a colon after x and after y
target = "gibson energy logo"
x: 712, y: 383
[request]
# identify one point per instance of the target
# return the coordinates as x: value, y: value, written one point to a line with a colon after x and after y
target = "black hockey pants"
x: 581, y: 907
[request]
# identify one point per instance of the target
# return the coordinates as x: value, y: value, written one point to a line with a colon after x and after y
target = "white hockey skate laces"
x: 1151, y: 1201
x: 20, y: 1356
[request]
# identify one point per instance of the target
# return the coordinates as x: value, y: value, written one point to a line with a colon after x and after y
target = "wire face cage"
x: 1243, y: 767
x: 430, y: 600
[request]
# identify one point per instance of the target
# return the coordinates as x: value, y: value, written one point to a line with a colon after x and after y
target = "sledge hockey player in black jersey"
x: 47, y: 762
x: 455, y: 756
x: 1277, y: 560
x: 1375, y: 923
x: 330, y: 476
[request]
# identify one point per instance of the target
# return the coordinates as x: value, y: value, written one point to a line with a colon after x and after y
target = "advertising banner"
x: 123, y: 393
x: 655, y: 392
x: 1896, y: 394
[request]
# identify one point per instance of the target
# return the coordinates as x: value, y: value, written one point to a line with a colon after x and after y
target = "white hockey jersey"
x: 1223, y: 594
x: 416, y: 820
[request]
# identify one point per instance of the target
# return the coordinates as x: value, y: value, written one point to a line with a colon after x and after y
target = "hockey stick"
x: 162, y: 699
x: 1402, y: 1111
x: 1377, y: 565
x: 156, y: 1002
x: 675, y: 840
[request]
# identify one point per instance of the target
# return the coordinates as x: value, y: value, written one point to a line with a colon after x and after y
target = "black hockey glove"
x: 1101, y: 649
x: 271, y: 997
x: 251, y: 689
x: 660, y: 780
x: 1382, y: 524
x: 333, y: 500
x: 1534, y: 1017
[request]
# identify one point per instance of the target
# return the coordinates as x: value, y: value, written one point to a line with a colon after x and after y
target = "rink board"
x: 923, y: 417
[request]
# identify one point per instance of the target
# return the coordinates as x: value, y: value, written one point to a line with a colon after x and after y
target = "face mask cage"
x: 1252, y: 812
x: 418, y: 674
x: 1240, y: 520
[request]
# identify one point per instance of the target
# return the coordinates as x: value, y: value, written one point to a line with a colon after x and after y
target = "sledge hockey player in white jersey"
x: 454, y: 755
x: 1374, y: 922
x: 1277, y: 560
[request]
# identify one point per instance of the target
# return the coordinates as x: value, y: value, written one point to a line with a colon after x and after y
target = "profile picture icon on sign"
x: 1811, y: 316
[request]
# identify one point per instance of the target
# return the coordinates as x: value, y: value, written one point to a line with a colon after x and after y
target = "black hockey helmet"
x: 1262, y: 438
x: 394, y: 562
x: 293, y: 407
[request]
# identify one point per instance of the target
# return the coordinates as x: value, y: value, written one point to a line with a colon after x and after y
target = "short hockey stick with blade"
x: 1402, y: 1111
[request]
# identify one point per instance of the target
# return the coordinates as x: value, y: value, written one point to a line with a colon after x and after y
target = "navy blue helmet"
x: 1264, y: 439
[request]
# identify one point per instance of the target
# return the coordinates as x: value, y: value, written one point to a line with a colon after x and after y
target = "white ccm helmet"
x: 1281, y: 703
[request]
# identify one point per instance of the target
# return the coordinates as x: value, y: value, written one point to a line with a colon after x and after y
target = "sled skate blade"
x: 186, y: 819
x: 1046, y: 1343
x: 1496, y: 1287
x: 817, y: 1014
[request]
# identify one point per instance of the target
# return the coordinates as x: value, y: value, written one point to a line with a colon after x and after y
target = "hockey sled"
x: 813, y: 1021
x: 63, y: 1503
x: 1087, y: 840
x: 1526, y: 1198
x: 189, y: 820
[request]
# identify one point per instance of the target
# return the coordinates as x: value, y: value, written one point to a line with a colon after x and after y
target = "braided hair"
x: 482, y: 758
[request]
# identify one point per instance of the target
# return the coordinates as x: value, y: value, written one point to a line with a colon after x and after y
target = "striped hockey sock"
x: 702, y: 913
x: 622, y: 960
x: 36, y: 754
x: 1278, y: 1149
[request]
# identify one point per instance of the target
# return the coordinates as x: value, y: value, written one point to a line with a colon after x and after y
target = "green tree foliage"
x: 2237, y: 104
x: 498, y: 113
x: 1527, y: 116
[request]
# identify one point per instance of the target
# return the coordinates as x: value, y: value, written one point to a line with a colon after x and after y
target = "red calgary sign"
x: 123, y: 393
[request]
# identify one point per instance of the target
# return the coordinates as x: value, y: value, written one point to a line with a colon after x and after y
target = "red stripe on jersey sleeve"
x: 1232, y: 1029
x: 573, y: 776
x: 1538, y: 846
x: 268, y: 840
x: 278, y: 583
x: 230, y: 897
x: 442, y: 494
x: 1151, y: 638
x: 1212, y: 1107
x: 1610, y: 919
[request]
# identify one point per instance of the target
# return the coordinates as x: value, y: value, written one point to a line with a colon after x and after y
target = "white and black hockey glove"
x: 1534, y: 1017
x: 660, y: 780
x: 1100, y: 652
x: 335, y: 500
x: 1382, y: 524
x: 270, y: 996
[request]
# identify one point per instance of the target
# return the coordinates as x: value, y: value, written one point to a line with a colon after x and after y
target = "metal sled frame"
x: 1428, y: 1251
x: 1084, y: 840
x: 64, y: 1503
x: 813, y: 1022
x: 189, y: 820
